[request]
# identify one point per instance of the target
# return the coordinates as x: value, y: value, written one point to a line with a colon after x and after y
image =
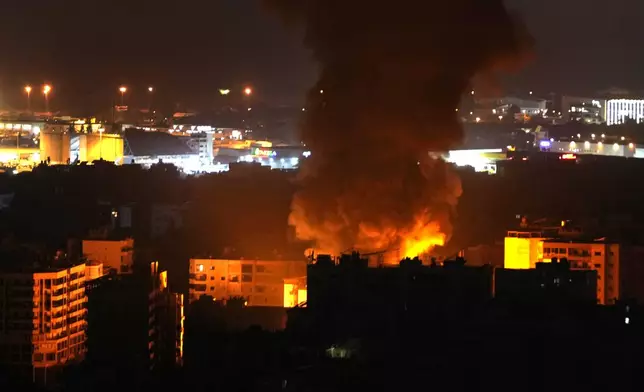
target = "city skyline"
x: 235, y: 43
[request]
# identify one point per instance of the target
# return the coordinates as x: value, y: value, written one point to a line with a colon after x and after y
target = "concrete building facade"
x: 43, y: 318
x: 617, y: 265
x: 260, y: 282
x: 115, y: 255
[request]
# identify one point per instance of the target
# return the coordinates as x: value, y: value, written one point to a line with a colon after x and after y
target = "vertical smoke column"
x: 391, y: 75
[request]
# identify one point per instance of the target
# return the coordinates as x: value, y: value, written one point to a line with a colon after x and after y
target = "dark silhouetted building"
x: 135, y: 324
x: 547, y: 283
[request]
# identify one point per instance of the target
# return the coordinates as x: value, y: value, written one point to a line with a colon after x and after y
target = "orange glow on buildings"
x: 48, y: 309
x: 295, y: 292
x: 260, y: 282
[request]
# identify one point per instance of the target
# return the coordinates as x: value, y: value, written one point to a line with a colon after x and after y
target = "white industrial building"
x: 619, y: 111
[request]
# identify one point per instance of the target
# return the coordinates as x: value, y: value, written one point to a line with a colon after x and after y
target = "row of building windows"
x: 572, y: 252
x: 245, y: 269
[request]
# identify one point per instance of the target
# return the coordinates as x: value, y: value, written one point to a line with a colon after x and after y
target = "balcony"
x: 199, y: 278
x: 197, y: 287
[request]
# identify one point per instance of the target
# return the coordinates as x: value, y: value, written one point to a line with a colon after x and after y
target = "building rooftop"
x: 147, y: 144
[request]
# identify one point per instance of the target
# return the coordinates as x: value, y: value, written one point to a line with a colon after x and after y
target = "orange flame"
x: 422, y: 238
x: 395, y: 243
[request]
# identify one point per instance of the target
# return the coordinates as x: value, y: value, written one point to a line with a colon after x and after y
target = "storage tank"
x: 55, y: 146
x: 94, y: 146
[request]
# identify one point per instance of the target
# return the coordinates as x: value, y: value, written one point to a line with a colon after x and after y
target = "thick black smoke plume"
x: 392, y: 74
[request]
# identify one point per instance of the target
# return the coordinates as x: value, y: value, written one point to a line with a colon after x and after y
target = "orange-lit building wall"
x: 58, y: 303
x: 117, y: 255
x: 261, y: 282
x: 301, y: 296
x: 93, y: 147
x: 522, y: 253
x: 295, y: 291
x: 290, y: 298
x: 94, y: 270
x: 598, y: 256
x: 55, y: 146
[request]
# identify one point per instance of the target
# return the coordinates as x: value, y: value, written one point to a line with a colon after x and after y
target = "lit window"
x: 200, y: 267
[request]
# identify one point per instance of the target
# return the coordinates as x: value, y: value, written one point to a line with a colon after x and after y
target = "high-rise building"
x: 135, y: 323
x: 42, y: 318
x: 260, y: 282
x: 600, y: 256
x: 617, y: 265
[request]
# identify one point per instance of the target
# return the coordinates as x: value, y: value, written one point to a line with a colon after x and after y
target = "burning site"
x: 391, y: 75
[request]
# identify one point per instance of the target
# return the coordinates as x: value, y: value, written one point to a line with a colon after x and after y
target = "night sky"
x: 189, y: 49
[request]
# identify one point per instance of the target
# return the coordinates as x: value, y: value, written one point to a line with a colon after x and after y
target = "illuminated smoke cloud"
x: 391, y: 75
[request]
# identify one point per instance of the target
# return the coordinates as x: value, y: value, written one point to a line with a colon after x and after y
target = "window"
x: 212, y: 288
x: 562, y: 251
x: 212, y: 278
x: 598, y: 265
x: 261, y: 268
x: 546, y: 250
x: 247, y: 268
x: 212, y: 267
x: 247, y: 278
x: 200, y: 267
x: 234, y: 278
x: 598, y: 253
x: 223, y: 278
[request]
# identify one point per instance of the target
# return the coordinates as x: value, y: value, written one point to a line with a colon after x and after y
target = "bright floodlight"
x: 248, y: 91
x: 28, y: 89
x: 150, y: 89
x: 224, y: 91
x: 46, y: 89
x: 122, y: 89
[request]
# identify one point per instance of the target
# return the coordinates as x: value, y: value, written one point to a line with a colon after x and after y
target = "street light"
x: 151, y: 91
x: 123, y: 90
x: 248, y: 91
x: 46, y: 89
x: 224, y: 91
x: 28, y: 91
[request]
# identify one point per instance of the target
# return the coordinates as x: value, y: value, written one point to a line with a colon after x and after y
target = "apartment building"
x: 42, y: 317
x: 597, y: 256
x: 117, y: 255
x: 619, y: 267
x: 260, y: 282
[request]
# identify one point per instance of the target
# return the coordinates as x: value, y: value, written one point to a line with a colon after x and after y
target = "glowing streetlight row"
x: 248, y: 91
x: 46, y: 89
x: 123, y: 89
